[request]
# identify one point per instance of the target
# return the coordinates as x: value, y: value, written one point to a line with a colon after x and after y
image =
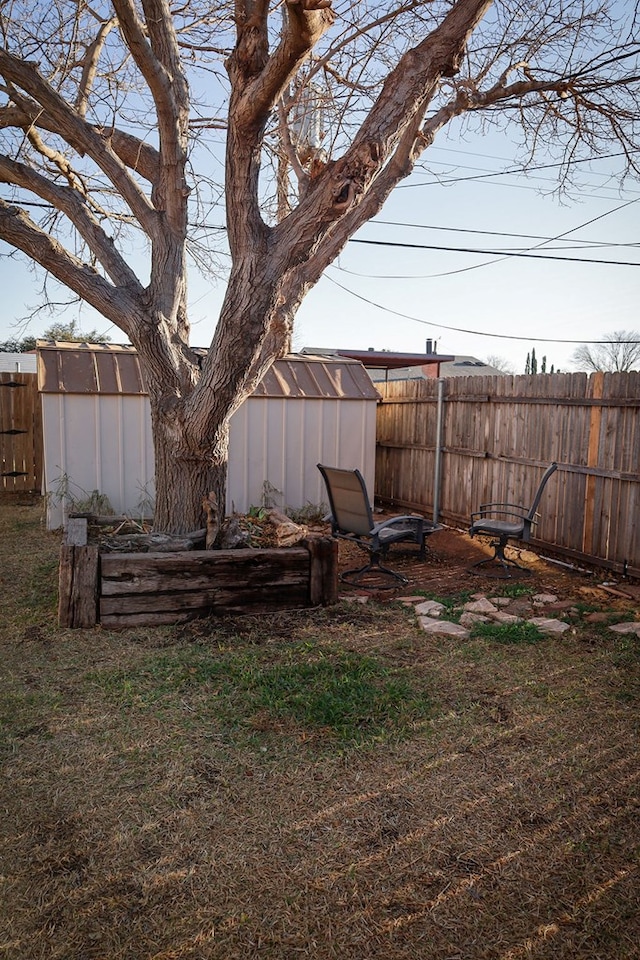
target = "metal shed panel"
x: 303, y: 413
x: 280, y: 442
x: 98, y: 443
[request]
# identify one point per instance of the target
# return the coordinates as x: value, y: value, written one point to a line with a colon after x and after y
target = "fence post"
x: 323, y: 570
x: 592, y: 461
x: 78, y: 579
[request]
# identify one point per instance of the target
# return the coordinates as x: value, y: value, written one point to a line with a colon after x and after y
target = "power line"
x: 490, y: 233
x: 474, y: 333
x: 509, y: 172
x: 495, y: 253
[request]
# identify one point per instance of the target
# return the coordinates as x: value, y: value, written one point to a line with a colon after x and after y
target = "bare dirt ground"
x: 151, y: 810
x: 451, y: 554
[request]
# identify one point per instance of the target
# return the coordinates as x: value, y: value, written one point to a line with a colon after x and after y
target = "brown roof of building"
x: 106, y: 368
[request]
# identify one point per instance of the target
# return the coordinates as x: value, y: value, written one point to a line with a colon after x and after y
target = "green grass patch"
x: 350, y: 696
x: 523, y: 632
x: 514, y: 590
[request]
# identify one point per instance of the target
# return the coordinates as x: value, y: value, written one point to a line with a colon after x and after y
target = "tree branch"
x: 400, y: 107
x: 305, y: 23
x: 90, y: 66
x: 80, y: 135
x: 139, y: 156
x: 69, y: 202
x: 114, y: 303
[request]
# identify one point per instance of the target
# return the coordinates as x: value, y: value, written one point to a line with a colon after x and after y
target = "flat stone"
x: 520, y: 608
x: 502, y: 617
x: 443, y: 628
x: 500, y: 601
x: 561, y: 605
x: 480, y: 606
x: 549, y: 625
x: 626, y: 628
x: 598, y: 616
x: 430, y: 608
x: 468, y: 619
x: 541, y: 598
x: 409, y: 600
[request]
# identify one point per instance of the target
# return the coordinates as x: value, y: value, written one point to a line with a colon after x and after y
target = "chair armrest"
x: 504, y: 509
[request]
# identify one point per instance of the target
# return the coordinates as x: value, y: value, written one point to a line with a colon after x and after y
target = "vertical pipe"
x: 438, y: 454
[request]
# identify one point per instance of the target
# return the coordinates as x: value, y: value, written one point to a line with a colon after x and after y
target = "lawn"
x: 323, y: 784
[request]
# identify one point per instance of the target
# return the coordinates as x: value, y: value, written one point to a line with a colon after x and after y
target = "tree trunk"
x: 186, y: 474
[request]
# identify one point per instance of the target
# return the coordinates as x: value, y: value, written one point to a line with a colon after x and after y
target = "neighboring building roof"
x: 385, y: 365
x: 18, y: 362
x: 382, y: 359
x: 450, y: 367
x: 107, y: 368
x: 469, y: 367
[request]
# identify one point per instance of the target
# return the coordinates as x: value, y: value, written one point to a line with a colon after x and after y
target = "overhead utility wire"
x: 473, y: 333
x: 503, y: 173
x: 489, y: 233
x: 497, y: 336
x: 495, y: 253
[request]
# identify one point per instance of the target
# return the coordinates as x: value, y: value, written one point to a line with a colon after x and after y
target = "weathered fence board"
x: 20, y: 433
x: 499, y: 433
x: 135, y: 589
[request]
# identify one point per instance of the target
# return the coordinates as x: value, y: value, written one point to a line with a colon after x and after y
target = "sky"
x: 480, y: 304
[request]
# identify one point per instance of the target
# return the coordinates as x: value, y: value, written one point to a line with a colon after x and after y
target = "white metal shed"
x: 97, y: 429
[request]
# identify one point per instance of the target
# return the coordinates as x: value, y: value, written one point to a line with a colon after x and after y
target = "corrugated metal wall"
x: 97, y: 442
x: 280, y: 441
x: 102, y: 441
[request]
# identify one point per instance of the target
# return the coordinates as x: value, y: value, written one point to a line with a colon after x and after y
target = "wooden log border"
x: 121, y: 590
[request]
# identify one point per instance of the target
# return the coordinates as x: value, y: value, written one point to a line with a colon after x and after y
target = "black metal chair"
x: 506, y: 521
x: 352, y: 519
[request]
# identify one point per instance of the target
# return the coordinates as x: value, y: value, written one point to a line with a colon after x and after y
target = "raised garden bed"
x: 150, y: 589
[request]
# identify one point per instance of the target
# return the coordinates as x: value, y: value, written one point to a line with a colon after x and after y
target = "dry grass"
x: 140, y: 819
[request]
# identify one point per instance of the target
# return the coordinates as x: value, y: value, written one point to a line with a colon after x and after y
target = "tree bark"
x: 187, y: 469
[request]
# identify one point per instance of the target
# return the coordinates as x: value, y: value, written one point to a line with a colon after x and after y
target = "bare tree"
x: 620, y: 351
x: 109, y: 113
x: 501, y: 364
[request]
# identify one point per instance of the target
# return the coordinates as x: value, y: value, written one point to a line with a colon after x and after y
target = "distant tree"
x: 534, y: 362
x: 504, y: 366
x: 543, y: 365
x: 70, y: 331
x: 66, y: 331
x: 18, y: 346
x: 619, y: 352
x: 527, y: 366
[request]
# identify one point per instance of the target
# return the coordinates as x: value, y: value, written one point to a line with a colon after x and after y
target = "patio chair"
x: 506, y: 521
x: 352, y: 519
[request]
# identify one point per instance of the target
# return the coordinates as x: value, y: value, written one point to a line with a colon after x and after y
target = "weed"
x: 515, y: 590
x: 75, y: 499
x: 309, y: 513
x: 507, y: 632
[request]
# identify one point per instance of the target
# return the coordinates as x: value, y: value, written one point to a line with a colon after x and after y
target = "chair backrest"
x: 348, y: 500
x: 536, y: 500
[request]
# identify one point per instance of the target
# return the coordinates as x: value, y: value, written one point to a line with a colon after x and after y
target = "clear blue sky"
x: 464, y: 201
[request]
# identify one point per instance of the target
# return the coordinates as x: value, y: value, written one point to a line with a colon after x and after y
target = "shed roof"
x: 106, y: 368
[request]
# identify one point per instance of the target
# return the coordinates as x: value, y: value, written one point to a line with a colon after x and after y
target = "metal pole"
x: 438, y: 456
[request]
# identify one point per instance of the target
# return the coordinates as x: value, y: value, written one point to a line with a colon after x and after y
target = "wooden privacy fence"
x: 497, y: 436
x: 20, y: 433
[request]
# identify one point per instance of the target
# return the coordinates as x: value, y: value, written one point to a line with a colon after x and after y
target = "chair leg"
x: 503, y: 572
x: 353, y: 577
